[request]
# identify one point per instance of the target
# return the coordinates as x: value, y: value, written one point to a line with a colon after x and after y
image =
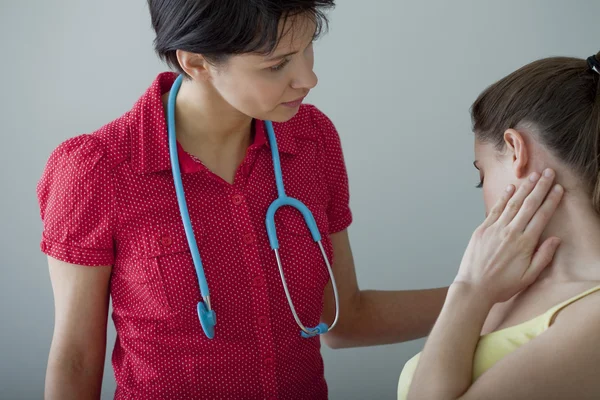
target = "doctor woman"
x: 115, y: 225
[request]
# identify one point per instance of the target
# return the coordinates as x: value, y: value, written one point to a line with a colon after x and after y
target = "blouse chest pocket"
x: 162, y: 265
x: 164, y: 239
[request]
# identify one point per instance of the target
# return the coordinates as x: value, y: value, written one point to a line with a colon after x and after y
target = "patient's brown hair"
x: 558, y: 99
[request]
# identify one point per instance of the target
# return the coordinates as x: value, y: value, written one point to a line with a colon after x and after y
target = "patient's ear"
x: 519, y: 152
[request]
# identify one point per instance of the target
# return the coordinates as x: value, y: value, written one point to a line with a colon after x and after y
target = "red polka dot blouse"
x: 108, y: 199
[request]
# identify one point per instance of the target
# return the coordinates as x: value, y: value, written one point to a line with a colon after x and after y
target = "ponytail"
x: 594, y: 66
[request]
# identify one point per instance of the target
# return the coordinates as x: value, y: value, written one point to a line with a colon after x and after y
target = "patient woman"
x: 541, y: 340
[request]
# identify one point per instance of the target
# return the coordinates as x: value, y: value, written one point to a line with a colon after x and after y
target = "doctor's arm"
x: 374, y: 317
x: 367, y: 317
x: 76, y: 360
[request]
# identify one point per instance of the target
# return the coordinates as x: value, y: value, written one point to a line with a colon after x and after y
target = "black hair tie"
x: 594, y: 64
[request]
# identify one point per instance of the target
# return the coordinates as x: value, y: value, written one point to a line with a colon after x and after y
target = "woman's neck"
x: 211, y: 129
x: 204, y: 119
x: 578, y: 226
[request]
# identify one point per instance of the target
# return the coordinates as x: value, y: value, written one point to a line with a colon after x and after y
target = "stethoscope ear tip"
x: 320, y: 329
x: 208, y: 320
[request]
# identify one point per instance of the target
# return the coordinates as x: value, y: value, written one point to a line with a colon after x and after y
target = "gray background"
x: 396, y: 77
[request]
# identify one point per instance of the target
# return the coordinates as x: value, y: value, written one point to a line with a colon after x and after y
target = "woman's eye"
x: 279, y: 66
x: 479, y: 185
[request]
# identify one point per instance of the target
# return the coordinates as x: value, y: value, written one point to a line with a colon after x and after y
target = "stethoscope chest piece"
x: 208, y: 320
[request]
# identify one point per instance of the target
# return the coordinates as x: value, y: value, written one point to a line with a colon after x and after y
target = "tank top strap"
x: 551, y: 313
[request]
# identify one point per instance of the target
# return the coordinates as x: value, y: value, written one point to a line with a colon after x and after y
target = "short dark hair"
x: 558, y: 98
x: 221, y: 28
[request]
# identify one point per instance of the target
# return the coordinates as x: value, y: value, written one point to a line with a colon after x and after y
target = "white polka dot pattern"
x: 107, y: 198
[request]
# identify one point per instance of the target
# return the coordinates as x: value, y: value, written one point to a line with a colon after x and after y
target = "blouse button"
x: 237, y: 199
x: 258, y: 281
x: 166, y: 241
x: 248, y: 238
x: 263, y: 321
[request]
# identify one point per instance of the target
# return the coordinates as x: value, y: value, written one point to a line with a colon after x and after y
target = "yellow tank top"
x: 496, y: 345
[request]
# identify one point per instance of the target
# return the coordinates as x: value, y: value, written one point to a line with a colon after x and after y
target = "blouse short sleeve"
x: 76, y: 197
x: 334, y: 170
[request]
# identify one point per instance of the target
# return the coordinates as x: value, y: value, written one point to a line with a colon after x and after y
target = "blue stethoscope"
x: 206, y: 314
